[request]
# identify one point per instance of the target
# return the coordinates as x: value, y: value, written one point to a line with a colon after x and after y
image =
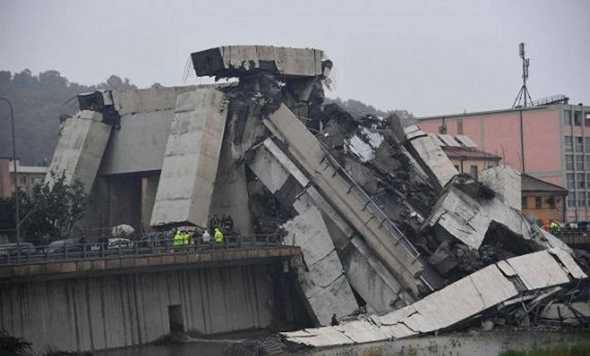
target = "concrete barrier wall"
x: 123, y: 310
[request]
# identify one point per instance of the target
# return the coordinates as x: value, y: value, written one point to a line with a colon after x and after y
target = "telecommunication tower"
x: 523, y: 98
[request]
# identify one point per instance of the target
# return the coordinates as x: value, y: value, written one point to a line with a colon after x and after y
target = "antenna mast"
x: 523, y: 98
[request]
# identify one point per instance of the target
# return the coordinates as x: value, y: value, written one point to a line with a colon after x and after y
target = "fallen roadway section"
x: 518, y: 279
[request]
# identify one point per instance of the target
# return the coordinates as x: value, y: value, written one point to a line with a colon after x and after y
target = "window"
x: 570, y: 180
x: 581, y: 199
x: 587, y: 143
x: 577, y: 118
x: 460, y: 126
x: 579, y: 144
x: 580, y: 162
x: 551, y: 202
x: 569, y: 144
x: 524, y: 202
x: 538, y: 203
x: 587, y: 119
x: 588, y: 161
x: 567, y: 118
x: 473, y: 171
x: 571, y: 200
x: 581, y: 181
x: 569, y: 162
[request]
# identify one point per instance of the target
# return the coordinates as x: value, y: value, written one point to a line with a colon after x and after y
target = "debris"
x: 467, y: 298
x: 395, y: 242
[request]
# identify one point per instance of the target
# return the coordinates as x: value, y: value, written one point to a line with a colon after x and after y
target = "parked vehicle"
x: 60, y: 246
x: 10, y: 249
x: 119, y: 242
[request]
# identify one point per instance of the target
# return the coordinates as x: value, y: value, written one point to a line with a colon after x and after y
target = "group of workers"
x: 184, y: 235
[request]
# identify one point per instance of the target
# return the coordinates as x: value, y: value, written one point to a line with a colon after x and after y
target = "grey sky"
x: 428, y: 57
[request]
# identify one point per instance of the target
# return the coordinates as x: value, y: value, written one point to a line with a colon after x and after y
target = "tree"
x: 50, y: 212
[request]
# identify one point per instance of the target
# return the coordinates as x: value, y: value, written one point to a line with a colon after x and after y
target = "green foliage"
x: 38, y: 102
x: 579, y: 349
x: 49, y: 212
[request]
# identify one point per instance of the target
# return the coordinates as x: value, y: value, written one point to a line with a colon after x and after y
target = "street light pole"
x: 14, y: 165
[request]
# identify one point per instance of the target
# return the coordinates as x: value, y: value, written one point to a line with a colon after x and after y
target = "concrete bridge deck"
x: 174, y: 260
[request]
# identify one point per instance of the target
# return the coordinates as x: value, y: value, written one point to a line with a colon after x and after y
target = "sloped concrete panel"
x: 80, y: 149
x: 380, y: 234
x: 191, y: 159
x: 324, y: 284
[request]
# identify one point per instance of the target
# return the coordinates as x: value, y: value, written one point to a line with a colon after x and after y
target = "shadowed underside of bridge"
x: 99, y: 303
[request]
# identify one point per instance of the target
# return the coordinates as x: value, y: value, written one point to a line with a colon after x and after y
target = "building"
x: 465, y: 155
x: 549, y: 142
x: 545, y: 201
x: 27, y: 177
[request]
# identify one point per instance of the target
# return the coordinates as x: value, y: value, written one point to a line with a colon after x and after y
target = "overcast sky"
x: 428, y: 57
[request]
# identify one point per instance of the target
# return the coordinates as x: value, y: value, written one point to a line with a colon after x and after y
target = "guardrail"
x: 69, y: 250
x: 574, y: 237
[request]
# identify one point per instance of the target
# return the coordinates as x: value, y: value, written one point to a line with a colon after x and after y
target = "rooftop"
x: 533, y: 184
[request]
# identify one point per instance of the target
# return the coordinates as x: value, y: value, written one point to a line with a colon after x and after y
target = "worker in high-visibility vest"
x: 554, y: 228
x: 218, y: 236
x: 181, y: 238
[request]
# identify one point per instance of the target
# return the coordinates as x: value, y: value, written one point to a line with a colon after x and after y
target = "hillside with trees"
x: 38, y: 101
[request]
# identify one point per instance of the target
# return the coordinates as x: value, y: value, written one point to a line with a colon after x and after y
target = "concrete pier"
x: 80, y: 148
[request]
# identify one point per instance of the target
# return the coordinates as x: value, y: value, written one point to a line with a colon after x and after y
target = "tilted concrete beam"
x: 365, y: 273
x: 380, y: 234
x: 80, y: 148
x: 191, y: 160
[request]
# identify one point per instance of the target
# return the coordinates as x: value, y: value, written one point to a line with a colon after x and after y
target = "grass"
x: 579, y: 349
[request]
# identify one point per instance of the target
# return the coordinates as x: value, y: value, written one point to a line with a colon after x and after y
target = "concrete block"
x: 229, y: 61
x: 139, y: 145
x: 80, y: 149
x: 506, y: 182
x: 191, y: 159
x: 132, y: 101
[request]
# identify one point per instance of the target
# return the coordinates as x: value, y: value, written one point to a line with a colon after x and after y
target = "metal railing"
x: 70, y: 250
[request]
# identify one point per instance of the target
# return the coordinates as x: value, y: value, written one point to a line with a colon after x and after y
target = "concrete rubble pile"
x: 387, y: 227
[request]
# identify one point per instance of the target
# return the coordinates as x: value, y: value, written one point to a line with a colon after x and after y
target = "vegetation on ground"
x: 49, y: 213
x: 578, y: 349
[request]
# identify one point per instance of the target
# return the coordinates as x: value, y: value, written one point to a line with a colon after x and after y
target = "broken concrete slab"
x: 230, y: 61
x: 82, y: 142
x: 425, y: 150
x: 381, y: 235
x: 468, y: 217
x: 459, y: 301
x: 191, y: 160
x: 575, y: 313
x: 506, y: 182
x: 365, y: 273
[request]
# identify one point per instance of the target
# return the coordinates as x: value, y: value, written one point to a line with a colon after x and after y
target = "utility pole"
x: 15, y: 181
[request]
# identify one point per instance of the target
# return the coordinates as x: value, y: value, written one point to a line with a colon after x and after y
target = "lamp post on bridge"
x: 14, y: 165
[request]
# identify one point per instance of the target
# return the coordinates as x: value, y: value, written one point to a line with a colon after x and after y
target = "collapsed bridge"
x: 382, y: 217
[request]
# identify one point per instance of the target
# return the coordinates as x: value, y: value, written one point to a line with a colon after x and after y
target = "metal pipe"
x: 14, y: 165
